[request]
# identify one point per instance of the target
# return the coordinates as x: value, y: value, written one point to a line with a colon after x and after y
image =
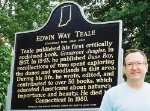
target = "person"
x: 134, y: 93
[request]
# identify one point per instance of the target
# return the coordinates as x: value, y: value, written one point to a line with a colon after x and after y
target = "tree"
x: 5, y: 59
x: 17, y: 16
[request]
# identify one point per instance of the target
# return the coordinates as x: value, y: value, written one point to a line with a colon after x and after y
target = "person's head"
x: 135, y: 65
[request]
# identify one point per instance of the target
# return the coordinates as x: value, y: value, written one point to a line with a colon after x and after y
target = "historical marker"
x: 67, y: 65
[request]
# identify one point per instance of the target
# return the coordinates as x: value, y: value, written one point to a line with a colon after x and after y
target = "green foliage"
x: 8, y: 26
x: 27, y: 15
x: 147, y: 78
x: 5, y: 58
x: 17, y: 16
